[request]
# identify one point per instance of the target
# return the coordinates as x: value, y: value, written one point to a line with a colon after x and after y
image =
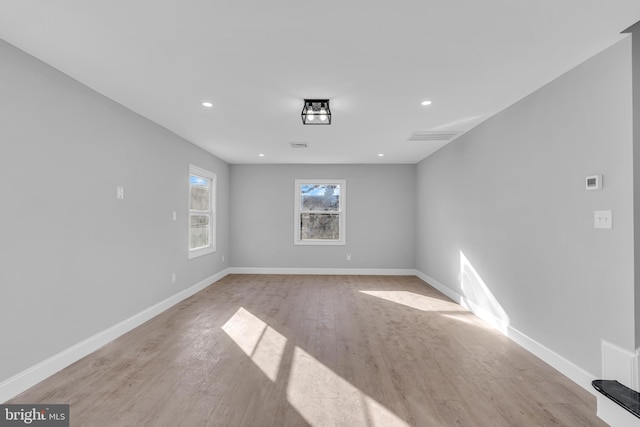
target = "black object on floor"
x: 624, y: 396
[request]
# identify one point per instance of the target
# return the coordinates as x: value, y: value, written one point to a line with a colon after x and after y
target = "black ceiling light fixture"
x: 316, y: 112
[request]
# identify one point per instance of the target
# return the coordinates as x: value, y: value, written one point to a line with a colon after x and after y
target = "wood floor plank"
x: 303, y: 350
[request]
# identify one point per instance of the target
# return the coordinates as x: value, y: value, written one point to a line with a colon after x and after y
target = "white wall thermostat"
x: 594, y: 182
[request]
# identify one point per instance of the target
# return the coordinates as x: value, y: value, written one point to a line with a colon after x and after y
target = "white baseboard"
x: 327, y: 271
x: 569, y: 369
x: 564, y: 366
x: 33, y: 375
x: 619, y: 364
x: 439, y: 286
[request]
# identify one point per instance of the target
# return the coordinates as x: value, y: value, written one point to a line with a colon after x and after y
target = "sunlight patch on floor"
x: 466, y: 317
x: 324, y: 398
x: 413, y: 300
x: 263, y: 344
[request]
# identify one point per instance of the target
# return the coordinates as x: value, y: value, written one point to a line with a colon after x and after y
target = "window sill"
x: 319, y: 242
x: 195, y: 253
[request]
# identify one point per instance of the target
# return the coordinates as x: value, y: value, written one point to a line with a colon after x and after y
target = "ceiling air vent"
x: 299, y: 145
x: 428, y: 136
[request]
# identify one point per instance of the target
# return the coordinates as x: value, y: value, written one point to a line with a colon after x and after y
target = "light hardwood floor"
x: 254, y: 350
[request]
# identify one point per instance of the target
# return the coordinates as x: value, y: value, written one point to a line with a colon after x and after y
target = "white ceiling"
x: 257, y: 60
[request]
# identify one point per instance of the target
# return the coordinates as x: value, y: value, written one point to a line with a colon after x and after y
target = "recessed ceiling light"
x: 261, y: 155
x: 427, y: 102
x: 381, y: 155
x: 207, y: 104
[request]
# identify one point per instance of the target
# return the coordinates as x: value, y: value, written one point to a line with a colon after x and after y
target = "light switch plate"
x: 602, y: 219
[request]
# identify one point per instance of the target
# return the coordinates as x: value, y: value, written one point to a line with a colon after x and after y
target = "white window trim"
x: 193, y: 253
x: 343, y: 213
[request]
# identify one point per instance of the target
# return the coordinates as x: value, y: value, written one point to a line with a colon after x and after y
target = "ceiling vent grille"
x: 299, y: 145
x: 429, y: 136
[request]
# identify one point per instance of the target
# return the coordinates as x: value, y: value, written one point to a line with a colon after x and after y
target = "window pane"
x: 200, y: 191
x: 320, y: 226
x: 199, y: 230
x: 320, y: 197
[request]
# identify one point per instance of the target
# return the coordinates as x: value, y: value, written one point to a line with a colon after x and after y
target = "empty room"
x: 418, y: 213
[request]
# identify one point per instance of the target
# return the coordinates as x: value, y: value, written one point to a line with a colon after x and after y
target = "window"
x: 202, y: 214
x: 320, y: 212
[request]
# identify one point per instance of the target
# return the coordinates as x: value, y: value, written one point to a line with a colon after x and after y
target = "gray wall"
x: 380, y: 217
x: 75, y: 260
x: 510, y: 196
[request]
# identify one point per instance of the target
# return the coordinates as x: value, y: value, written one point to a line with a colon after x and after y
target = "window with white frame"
x: 202, y: 212
x: 320, y: 211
